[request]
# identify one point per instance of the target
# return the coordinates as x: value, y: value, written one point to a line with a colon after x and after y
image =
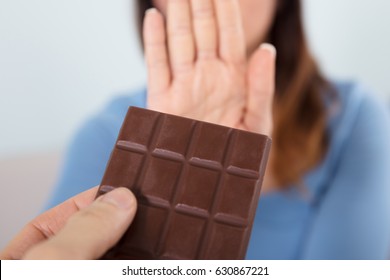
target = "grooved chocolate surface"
x: 197, y: 186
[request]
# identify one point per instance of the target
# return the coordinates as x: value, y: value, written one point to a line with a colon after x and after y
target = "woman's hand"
x: 198, y: 67
x: 79, y: 228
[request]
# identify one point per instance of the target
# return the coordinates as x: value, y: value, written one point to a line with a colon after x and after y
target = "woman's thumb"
x: 261, y: 80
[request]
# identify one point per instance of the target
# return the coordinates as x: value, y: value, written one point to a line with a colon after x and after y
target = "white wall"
x: 351, y: 39
x: 59, y: 62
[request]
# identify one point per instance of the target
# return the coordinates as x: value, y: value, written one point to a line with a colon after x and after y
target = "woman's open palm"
x: 198, y: 66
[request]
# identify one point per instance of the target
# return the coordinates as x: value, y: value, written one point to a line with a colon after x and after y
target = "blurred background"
x: 61, y: 61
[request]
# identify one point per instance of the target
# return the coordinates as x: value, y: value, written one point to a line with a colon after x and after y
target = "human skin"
x: 79, y: 228
x: 257, y: 17
x: 205, y: 62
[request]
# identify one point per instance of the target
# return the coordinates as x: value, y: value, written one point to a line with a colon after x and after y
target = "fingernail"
x: 269, y: 47
x: 120, y: 197
x: 151, y: 10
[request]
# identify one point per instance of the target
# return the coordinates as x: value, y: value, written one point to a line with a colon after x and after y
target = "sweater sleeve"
x: 352, y: 220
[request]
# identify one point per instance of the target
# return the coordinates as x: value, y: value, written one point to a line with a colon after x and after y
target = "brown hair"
x: 300, y: 138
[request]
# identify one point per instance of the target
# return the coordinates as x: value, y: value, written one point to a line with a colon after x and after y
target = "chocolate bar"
x: 197, y: 186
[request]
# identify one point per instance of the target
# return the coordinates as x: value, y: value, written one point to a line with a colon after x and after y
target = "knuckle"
x: 157, y: 62
x: 157, y: 65
x: 154, y: 44
x: 206, y: 54
x: 182, y: 68
x: 203, y: 13
x: 180, y: 29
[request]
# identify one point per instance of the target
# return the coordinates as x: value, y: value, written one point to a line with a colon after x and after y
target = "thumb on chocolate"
x: 92, y: 231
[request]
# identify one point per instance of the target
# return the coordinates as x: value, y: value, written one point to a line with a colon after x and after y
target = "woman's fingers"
x: 231, y: 31
x: 205, y: 28
x: 261, y: 80
x: 155, y: 43
x: 180, y: 37
x: 92, y: 231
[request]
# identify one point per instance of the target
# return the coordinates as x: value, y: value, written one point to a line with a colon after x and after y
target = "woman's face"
x: 257, y: 18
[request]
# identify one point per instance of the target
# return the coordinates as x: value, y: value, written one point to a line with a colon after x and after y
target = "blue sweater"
x: 346, y: 214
